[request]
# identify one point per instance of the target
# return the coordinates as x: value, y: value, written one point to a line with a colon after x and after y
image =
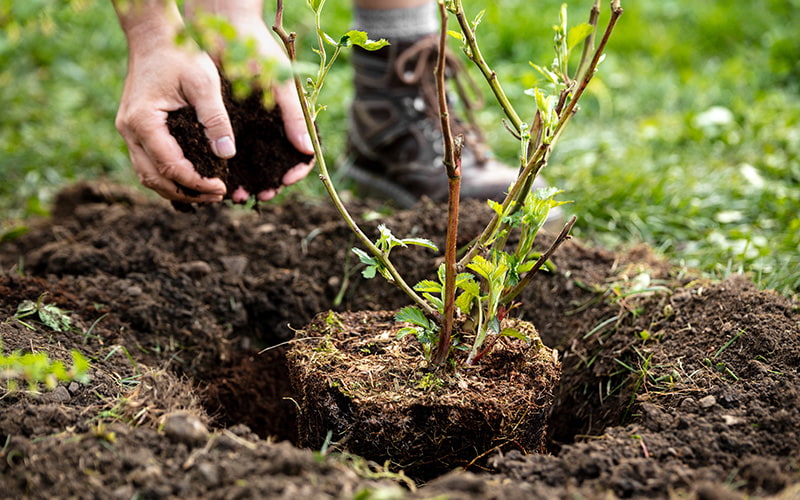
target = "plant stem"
x: 537, y: 162
x: 540, y: 154
x: 561, y: 238
x: 588, y: 44
x: 452, y: 163
x: 474, y: 54
x: 288, y: 40
x: 570, y: 110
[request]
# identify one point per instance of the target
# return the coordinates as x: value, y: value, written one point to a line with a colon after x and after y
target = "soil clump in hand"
x: 263, y: 152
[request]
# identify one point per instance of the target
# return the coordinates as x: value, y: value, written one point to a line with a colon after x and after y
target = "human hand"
x: 163, y: 77
x: 284, y: 94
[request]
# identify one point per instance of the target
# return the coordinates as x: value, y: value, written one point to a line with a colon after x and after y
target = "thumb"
x: 211, y: 113
x: 213, y: 116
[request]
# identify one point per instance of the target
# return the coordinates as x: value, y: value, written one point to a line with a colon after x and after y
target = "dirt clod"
x: 185, y: 427
x: 263, y: 152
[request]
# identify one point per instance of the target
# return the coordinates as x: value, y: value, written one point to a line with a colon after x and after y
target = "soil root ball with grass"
x: 378, y: 398
x: 264, y: 154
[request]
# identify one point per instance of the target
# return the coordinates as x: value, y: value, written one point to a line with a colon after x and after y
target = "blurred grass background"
x: 688, y: 140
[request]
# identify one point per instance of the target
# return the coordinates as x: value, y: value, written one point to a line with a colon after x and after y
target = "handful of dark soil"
x: 263, y: 152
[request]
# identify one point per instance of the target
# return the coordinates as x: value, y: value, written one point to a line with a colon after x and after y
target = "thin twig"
x: 474, y: 54
x: 588, y: 44
x: 561, y: 238
x: 616, y: 11
x: 288, y: 40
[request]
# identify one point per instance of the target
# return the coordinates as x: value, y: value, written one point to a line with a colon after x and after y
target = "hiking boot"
x: 395, y: 138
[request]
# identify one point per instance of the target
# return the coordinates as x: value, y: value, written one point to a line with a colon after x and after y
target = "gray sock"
x: 397, y: 25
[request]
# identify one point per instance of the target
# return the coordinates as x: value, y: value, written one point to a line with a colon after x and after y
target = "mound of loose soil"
x: 671, y: 386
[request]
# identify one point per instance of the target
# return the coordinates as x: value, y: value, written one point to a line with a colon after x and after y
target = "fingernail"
x: 211, y: 198
x: 240, y: 195
x: 225, y: 148
x: 307, y: 144
x: 268, y: 194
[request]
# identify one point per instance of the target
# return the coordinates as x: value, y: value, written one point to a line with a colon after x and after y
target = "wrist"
x: 243, y: 13
x: 148, y: 22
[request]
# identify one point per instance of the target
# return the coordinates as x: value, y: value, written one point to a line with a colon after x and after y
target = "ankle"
x: 397, y: 24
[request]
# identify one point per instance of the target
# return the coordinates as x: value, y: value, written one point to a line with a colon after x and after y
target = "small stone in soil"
x: 186, y: 428
x: 61, y: 394
x: 707, y: 402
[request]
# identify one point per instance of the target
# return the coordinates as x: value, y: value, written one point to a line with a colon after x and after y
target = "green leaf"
x: 513, y: 332
x: 455, y: 34
x: 422, y: 242
x: 497, y: 207
x: 464, y: 302
x: 428, y: 286
x: 544, y: 102
x: 546, y: 193
x: 436, y: 302
x: 538, y: 205
x: 13, y: 233
x: 369, y: 272
x: 463, y: 278
x: 471, y: 287
x: 25, y: 308
x: 329, y: 39
x: 80, y: 364
x: 54, y: 317
x: 315, y: 5
x: 413, y: 315
x: 360, y: 39
x: 364, y: 257
x: 525, y: 266
x: 407, y: 330
x: 481, y: 266
x: 549, y: 75
x: 493, y: 325
x: 577, y: 34
x: 387, y: 240
x: 478, y: 19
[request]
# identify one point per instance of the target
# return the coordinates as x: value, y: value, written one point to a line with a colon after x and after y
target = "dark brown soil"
x: 682, y: 388
x: 262, y: 156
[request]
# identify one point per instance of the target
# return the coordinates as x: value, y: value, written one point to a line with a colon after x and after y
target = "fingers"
x: 159, y: 161
x: 268, y: 194
x: 206, y: 97
x: 297, y: 173
x: 293, y: 121
x: 240, y: 195
x: 161, y: 177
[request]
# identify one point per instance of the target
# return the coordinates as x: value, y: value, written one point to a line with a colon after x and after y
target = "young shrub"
x: 480, y: 287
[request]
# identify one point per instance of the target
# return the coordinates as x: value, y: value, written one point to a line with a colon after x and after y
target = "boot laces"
x: 416, y: 66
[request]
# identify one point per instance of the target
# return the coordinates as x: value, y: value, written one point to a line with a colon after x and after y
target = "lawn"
x: 688, y: 141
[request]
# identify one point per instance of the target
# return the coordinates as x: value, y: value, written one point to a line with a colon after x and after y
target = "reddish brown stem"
x: 452, y: 163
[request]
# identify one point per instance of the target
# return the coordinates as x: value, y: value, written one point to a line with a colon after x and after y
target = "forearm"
x: 235, y: 11
x: 148, y: 23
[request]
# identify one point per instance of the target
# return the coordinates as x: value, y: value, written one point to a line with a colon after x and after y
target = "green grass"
x: 688, y: 140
